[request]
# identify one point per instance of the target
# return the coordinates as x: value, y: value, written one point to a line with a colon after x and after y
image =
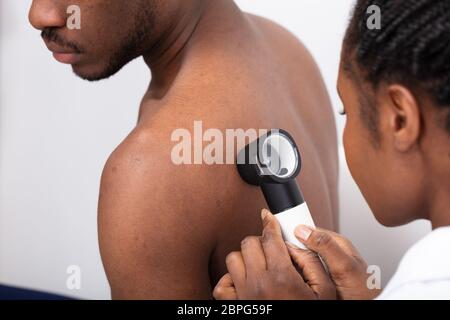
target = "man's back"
x: 165, y: 229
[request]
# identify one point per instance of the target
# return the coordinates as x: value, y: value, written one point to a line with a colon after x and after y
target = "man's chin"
x: 93, y: 73
x: 90, y: 75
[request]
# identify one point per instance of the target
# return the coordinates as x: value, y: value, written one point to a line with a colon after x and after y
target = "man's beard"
x: 135, y: 43
x: 120, y: 58
x: 133, y: 48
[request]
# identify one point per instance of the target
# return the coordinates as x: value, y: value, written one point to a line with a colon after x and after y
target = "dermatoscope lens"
x: 279, y: 155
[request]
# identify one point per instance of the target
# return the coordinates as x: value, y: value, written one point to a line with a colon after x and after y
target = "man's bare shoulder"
x: 143, y: 164
x: 153, y: 213
x: 296, y: 63
x: 144, y: 172
x: 279, y: 37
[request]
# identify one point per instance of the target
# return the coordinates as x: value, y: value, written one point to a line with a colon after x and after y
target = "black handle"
x: 280, y: 197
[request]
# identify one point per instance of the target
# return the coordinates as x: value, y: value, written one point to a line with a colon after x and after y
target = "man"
x: 164, y: 229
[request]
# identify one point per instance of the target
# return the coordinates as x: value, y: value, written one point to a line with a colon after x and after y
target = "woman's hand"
x: 346, y: 267
x: 263, y: 269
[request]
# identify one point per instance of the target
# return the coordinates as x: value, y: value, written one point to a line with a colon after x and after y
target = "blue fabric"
x: 10, y: 293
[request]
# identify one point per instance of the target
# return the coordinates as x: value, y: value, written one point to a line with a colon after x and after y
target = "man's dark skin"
x: 165, y: 230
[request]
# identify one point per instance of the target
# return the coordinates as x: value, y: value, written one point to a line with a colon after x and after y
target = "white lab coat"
x: 424, y: 271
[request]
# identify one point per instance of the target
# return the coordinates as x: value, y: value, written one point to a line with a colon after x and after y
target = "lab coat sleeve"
x: 429, y: 290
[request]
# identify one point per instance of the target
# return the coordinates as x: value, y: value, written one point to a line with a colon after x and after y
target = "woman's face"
x: 388, y: 183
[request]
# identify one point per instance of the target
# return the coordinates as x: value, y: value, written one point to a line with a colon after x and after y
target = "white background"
x: 56, y: 132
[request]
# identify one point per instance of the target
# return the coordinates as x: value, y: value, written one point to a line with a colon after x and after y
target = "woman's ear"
x: 404, y: 118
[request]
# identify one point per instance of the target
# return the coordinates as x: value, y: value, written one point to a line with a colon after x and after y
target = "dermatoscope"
x: 273, y: 162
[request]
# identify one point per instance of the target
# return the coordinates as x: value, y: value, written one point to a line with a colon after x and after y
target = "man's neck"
x: 166, y: 59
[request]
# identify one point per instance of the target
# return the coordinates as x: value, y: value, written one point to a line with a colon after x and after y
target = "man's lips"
x: 67, y: 58
x: 63, y: 55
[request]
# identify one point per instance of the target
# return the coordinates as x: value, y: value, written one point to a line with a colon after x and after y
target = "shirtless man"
x: 164, y: 229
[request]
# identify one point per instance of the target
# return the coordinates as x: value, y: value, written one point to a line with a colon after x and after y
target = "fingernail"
x: 265, y: 214
x: 303, y: 232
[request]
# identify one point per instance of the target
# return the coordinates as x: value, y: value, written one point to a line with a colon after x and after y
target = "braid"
x: 412, y: 47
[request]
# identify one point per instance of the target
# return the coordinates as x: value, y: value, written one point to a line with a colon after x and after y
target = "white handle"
x: 293, y: 217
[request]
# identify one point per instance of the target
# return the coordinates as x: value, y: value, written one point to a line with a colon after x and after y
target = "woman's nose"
x: 47, y: 14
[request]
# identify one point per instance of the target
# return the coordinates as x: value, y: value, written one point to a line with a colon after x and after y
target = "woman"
x: 394, y: 83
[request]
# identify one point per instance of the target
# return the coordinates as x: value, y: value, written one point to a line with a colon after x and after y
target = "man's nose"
x: 47, y: 14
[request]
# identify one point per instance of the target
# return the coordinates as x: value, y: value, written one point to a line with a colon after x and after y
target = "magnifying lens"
x: 273, y: 162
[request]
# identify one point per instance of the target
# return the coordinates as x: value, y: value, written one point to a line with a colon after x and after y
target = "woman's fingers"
x: 253, y: 255
x: 275, y: 250
x: 338, y: 261
x: 313, y: 272
x: 225, y: 289
x: 344, y: 243
x: 236, y: 268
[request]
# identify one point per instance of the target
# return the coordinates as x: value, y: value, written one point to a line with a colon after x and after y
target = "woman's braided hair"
x: 411, y: 48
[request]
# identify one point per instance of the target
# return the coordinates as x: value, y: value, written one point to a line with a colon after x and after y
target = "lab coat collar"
x: 428, y: 260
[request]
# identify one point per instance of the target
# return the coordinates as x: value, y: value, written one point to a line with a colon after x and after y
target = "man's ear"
x: 404, y: 117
